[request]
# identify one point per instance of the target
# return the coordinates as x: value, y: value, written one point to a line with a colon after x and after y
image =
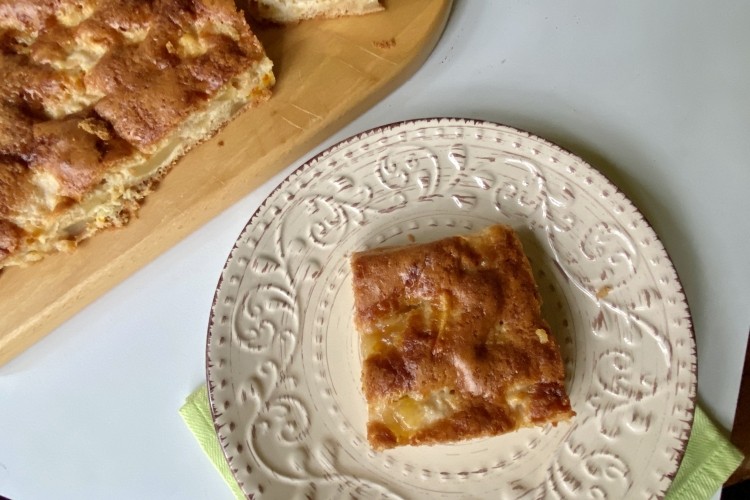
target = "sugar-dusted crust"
x: 453, y: 341
x: 99, y: 98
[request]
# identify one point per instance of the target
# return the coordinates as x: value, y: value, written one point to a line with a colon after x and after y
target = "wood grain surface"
x: 327, y: 71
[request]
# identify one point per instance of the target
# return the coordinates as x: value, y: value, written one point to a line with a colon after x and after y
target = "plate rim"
x: 455, y: 121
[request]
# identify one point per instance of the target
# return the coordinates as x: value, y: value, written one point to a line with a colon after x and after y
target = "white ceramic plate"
x: 283, y: 362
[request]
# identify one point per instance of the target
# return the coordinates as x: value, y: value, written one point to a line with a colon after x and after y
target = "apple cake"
x: 98, y: 98
x: 453, y: 342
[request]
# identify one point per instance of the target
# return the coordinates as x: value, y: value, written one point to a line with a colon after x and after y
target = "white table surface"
x: 654, y: 94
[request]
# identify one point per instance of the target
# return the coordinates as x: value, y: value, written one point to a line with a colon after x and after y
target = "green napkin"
x: 197, y: 415
x: 708, y: 462
x: 709, y: 459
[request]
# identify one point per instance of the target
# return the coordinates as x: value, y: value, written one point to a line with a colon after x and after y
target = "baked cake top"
x: 453, y: 341
x: 87, y: 84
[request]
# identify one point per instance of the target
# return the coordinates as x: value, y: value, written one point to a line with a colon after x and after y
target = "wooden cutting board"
x: 327, y: 71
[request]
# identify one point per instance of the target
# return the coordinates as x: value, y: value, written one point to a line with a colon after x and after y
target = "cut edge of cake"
x: 293, y: 11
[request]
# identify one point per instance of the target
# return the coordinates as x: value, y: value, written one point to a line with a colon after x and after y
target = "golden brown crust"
x: 144, y: 101
x: 453, y: 341
x: 91, y: 85
x: 14, y: 176
x: 72, y: 151
x: 10, y: 237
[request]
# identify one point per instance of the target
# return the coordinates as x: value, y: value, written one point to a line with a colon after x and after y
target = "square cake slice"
x: 453, y: 342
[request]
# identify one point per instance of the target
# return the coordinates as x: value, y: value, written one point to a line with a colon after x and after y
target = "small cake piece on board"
x: 453, y: 341
x: 292, y: 11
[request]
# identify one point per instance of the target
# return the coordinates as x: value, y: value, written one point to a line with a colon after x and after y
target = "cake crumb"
x: 385, y: 44
x: 543, y: 338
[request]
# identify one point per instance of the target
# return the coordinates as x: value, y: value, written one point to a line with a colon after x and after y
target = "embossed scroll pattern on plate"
x: 282, y: 356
